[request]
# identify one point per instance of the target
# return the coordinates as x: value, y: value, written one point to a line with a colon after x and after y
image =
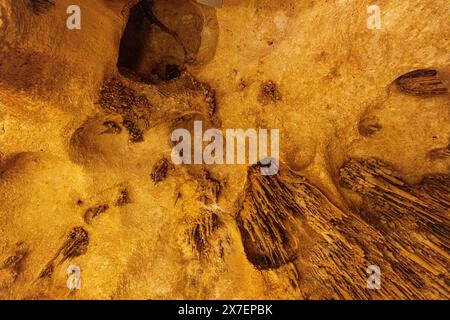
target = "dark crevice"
x: 151, y: 49
x: 40, y: 6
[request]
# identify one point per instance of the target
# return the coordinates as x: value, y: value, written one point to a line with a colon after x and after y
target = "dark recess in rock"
x: 40, y: 6
x: 136, y: 134
x: 269, y: 93
x: 159, y: 170
x: 123, y: 199
x: 422, y: 82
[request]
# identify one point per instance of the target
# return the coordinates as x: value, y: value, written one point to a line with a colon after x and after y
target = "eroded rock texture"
x: 86, y: 176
